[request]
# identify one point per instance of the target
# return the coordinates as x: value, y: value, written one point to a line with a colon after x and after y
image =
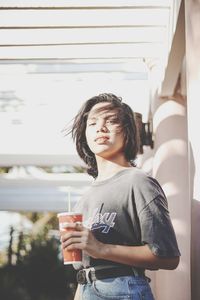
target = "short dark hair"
x: 128, y: 126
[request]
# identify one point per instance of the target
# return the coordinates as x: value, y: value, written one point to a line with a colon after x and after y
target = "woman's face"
x: 104, y: 132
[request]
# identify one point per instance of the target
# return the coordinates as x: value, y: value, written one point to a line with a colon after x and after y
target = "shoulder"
x: 138, y: 174
x: 145, y: 187
x: 139, y: 177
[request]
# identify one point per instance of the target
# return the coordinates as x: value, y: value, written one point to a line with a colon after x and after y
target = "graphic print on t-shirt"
x: 100, y: 220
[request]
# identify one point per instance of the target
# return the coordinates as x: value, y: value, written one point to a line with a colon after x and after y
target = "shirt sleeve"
x: 156, y: 228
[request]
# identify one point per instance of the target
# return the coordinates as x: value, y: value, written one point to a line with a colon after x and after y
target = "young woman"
x: 127, y: 227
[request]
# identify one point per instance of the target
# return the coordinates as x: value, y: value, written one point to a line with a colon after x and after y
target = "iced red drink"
x: 69, y: 256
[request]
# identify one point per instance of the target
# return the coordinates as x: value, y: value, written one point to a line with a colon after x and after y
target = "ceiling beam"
x: 139, y: 50
x: 79, y: 3
x: 176, y: 57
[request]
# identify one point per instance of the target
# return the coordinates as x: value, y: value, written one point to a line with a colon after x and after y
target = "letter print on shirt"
x: 101, y: 220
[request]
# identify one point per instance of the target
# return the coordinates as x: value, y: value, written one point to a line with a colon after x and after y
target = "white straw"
x: 69, y: 199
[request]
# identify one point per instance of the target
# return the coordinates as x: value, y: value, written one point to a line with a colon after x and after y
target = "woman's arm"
x: 137, y: 256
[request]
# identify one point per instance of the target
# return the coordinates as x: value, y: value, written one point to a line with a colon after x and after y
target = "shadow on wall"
x: 171, y: 162
x: 170, y: 128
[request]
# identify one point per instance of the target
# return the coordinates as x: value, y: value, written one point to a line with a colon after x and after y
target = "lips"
x: 101, y: 139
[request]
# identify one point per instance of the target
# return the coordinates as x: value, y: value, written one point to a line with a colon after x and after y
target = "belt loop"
x: 87, y: 272
x: 135, y: 273
x: 138, y: 272
x: 92, y: 274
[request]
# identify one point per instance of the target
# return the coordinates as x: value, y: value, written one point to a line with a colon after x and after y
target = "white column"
x: 170, y: 167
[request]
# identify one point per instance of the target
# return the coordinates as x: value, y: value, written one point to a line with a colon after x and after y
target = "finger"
x: 71, y: 241
x: 70, y: 234
x: 75, y: 246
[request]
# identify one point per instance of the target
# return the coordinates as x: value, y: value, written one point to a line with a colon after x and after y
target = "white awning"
x: 42, y: 192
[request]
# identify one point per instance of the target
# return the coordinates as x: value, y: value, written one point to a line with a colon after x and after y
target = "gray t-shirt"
x: 129, y: 208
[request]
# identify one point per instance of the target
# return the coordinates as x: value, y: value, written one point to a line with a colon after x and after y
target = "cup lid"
x: 68, y: 214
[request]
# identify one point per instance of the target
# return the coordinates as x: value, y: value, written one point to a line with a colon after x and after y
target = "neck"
x: 108, y: 168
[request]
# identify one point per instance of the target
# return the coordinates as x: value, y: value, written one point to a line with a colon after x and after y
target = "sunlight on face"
x: 104, y: 132
x: 110, y: 120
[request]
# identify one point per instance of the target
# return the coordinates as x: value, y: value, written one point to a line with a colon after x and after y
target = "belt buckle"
x: 83, y: 276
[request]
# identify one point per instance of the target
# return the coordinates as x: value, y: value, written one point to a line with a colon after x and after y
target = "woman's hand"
x: 81, y: 238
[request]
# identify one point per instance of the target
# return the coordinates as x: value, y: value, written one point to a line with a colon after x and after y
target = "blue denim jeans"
x: 126, y: 287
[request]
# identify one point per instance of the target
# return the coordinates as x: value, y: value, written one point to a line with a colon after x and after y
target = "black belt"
x: 89, y: 275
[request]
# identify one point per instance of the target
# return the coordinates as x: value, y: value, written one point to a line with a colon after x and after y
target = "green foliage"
x: 39, y: 273
x: 4, y: 170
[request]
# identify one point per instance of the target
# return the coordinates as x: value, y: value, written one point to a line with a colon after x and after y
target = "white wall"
x: 193, y: 94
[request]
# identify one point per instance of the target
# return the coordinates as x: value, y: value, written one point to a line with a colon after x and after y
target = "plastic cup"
x: 69, y: 256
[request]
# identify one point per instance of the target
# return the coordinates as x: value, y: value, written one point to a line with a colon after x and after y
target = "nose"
x: 101, y: 127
